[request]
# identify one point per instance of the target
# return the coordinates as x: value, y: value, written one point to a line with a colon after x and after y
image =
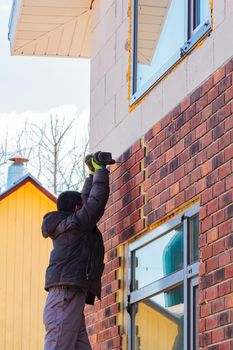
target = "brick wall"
x: 185, y: 157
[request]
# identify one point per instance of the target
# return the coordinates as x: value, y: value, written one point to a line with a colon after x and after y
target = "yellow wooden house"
x: 24, y: 255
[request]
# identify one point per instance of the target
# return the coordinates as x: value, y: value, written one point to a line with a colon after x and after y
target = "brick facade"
x: 186, y: 157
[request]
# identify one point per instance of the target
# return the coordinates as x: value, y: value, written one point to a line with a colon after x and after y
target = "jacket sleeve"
x: 92, y: 211
x: 87, y: 188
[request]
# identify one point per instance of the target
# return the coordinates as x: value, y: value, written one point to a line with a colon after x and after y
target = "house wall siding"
x: 24, y: 256
x: 110, y: 115
x: 186, y: 157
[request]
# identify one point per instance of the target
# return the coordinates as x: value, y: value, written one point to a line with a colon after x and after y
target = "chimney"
x: 17, y: 170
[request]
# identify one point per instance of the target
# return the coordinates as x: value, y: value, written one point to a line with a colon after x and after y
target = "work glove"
x: 95, y: 161
x: 88, y: 162
x: 97, y: 166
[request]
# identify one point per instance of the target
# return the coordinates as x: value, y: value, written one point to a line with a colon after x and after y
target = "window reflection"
x: 161, y: 33
x: 159, y: 258
x: 159, y: 321
x: 157, y: 312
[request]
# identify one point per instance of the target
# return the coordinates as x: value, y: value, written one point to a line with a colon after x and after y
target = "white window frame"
x: 188, y: 275
x: 192, y: 37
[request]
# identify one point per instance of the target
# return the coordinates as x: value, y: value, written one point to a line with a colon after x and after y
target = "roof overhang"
x: 58, y: 28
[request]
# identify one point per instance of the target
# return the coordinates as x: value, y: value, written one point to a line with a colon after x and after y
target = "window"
x: 163, y: 286
x: 163, y: 31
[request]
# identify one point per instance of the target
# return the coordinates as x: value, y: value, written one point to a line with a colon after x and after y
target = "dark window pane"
x: 158, y: 258
x: 196, y: 13
x: 158, y: 321
x: 160, y: 35
x: 193, y: 239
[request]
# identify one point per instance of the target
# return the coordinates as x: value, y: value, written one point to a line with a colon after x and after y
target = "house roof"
x: 25, y: 179
x: 50, y: 28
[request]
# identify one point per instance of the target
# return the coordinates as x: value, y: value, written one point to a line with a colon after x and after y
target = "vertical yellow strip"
x: 11, y: 210
x: 18, y: 292
x: 27, y: 270
x: 40, y: 275
x: 24, y: 256
x: 34, y: 339
x: 43, y: 254
x: 3, y: 272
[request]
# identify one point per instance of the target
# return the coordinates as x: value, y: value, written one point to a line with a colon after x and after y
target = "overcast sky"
x: 32, y: 86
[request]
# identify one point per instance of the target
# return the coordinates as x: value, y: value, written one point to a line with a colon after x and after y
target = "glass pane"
x: 161, y: 34
x: 158, y: 258
x: 196, y: 318
x: 201, y: 12
x: 194, y: 237
x: 158, y: 322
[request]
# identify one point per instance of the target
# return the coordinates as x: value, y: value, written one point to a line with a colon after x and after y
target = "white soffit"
x: 51, y: 28
x: 151, y: 18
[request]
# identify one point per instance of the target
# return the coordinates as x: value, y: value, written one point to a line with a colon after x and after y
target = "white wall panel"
x: 191, y: 72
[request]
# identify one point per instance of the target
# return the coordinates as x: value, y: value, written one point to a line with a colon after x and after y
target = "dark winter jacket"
x: 78, y: 251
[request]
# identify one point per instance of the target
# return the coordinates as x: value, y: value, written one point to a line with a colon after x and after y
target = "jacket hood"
x: 51, y: 221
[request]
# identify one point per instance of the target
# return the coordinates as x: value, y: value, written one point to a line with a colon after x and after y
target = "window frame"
x: 188, y: 275
x: 192, y: 38
x: 193, y: 284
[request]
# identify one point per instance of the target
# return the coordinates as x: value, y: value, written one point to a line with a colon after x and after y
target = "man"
x: 73, y: 276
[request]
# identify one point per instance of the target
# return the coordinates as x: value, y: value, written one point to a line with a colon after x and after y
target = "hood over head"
x: 51, y: 221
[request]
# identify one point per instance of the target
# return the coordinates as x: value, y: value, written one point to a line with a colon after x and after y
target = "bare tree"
x: 54, y: 152
x: 4, y: 150
x: 23, y: 144
x: 57, y: 157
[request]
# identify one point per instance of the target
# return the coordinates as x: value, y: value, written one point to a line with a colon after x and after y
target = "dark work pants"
x: 64, y: 320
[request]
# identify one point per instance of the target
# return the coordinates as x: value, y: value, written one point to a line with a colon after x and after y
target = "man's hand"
x: 98, y: 161
x: 88, y: 162
x: 95, y: 161
x: 97, y: 166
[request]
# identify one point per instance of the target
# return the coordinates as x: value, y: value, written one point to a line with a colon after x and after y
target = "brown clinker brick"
x: 229, y: 66
x: 224, y: 200
x: 229, y: 94
x: 195, y: 148
x: 225, y: 83
x: 196, y: 95
x: 218, y: 103
x: 218, y: 131
x: 219, y: 74
x: 188, y: 156
x: 229, y: 210
x: 202, y: 103
x: 217, y: 161
x: 212, y: 94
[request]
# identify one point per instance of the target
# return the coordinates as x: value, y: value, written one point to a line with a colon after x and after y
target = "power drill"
x: 103, y: 158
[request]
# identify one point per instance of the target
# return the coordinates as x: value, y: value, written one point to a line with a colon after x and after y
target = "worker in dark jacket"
x: 73, y: 276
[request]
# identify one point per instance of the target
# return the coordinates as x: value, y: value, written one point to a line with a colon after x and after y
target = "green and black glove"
x: 95, y: 162
x: 98, y: 161
x: 88, y: 162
